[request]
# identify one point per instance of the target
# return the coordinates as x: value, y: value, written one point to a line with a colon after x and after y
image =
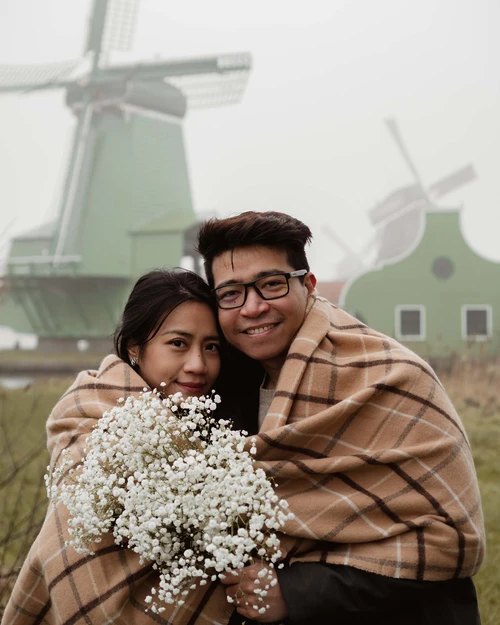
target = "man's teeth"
x: 259, y: 330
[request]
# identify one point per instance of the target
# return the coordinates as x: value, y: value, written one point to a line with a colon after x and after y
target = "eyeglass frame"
x: 290, y: 274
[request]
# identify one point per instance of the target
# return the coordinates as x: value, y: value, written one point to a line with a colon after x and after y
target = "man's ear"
x: 310, y: 282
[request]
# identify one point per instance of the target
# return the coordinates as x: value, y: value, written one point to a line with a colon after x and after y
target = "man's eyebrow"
x: 210, y: 337
x: 260, y: 274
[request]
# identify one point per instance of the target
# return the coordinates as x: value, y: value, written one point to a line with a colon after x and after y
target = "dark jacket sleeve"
x: 317, y: 594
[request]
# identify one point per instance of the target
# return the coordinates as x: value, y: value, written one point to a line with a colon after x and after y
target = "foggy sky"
x: 309, y: 136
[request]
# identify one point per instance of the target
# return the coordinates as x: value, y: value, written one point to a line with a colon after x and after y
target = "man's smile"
x: 260, y: 329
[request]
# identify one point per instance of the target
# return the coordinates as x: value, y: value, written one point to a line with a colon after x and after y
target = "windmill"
x: 400, y: 216
x: 126, y: 200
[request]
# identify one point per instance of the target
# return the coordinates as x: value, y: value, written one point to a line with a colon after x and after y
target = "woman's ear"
x: 133, y: 352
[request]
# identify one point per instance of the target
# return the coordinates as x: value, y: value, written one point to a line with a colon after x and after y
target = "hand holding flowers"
x: 244, y: 588
x: 176, y: 486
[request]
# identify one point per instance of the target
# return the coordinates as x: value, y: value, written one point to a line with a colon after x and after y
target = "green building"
x: 439, y: 298
x: 130, y: 211
x: 126, y: 204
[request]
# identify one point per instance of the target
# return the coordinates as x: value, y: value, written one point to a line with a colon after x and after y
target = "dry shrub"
x: 23, y: 461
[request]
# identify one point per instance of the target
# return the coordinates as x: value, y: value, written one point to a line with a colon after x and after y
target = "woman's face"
x: 184, y: 353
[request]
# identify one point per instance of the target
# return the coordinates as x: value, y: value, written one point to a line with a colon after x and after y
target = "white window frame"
x: 489, y: 322
x: 423, y: 325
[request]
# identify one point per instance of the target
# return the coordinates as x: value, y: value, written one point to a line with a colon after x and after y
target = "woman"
x: 169, y: 334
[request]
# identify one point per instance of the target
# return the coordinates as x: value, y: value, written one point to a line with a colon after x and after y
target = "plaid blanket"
x: 365, y: 445
x: 58, y: 586
x: 360, y: 438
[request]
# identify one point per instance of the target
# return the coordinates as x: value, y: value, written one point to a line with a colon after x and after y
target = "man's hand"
x: 243, y: 588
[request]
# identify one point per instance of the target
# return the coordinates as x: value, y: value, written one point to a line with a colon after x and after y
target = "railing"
x: 40, y: 265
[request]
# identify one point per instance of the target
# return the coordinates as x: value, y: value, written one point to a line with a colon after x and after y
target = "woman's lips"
x: 192, y: 386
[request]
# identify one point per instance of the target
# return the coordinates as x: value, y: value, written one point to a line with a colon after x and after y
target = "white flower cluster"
x: 176, y: 486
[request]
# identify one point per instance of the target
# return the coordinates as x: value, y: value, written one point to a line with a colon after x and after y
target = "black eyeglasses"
x: 268, y: 287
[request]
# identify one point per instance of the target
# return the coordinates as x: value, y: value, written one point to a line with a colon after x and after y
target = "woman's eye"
x: 213, y: 347
x: 177, y: 343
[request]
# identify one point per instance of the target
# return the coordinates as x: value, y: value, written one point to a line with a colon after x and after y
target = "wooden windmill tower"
x: 126, y: 201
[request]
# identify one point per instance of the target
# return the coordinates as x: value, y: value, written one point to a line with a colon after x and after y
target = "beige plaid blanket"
x: 360, y: 438
x: 58, y: 586
x: 367, y: 448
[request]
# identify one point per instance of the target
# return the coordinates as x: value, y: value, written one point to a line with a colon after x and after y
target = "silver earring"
x: 133, y: 362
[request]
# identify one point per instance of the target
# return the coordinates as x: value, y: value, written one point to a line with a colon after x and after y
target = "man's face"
x: 262, y: 329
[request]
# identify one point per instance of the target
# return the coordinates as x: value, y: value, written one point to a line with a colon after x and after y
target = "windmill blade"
x: 452, y: 182
x: 30, y: 77
x: 338, y: 241
x: 212, y: 89
x: 119, y: 29
x: 372, y: 244
x: 97, y: 22
x: 4, y: 239
x: 394, y: 130
x: 4, y: 245
x: 81, y: 152
x: 205, y: 81
x: 156, y: 70
x: 5, y: 231
x: 351, y: 263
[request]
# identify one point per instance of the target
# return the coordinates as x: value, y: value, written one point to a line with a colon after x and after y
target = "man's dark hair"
x: 153, y: 298
x: 271, y: 229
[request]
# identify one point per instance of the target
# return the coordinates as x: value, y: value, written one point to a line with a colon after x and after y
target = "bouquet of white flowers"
x: 176, y: 486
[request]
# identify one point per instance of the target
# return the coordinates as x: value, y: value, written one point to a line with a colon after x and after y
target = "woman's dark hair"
x: 153, y: 298
x: 271, y: 229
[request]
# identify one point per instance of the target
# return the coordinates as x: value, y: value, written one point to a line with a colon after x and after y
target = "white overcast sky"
x: 309, y: 137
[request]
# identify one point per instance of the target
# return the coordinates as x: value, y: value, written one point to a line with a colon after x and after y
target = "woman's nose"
x: 195, y: 362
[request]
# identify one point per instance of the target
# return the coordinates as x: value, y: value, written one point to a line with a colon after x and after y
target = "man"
x: 360, y: 438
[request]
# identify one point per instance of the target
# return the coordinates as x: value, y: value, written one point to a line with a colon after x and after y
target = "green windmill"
x: 126, y: 203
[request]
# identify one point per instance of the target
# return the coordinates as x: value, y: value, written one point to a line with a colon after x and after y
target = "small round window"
x: 442, y: 267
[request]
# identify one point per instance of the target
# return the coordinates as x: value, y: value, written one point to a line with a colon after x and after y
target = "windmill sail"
x: 452, y: 182
x: 47, y: 76
x: 224, y: 85
x: 121, y: 19
x: 79, y: 163
x: 97, y: 24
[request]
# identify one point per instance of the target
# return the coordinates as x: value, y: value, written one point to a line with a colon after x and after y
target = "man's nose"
x: 254, y: 304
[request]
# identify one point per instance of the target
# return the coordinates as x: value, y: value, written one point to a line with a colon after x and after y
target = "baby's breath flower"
x: 177, y: 487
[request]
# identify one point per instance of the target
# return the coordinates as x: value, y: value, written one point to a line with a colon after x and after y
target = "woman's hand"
x: 241, y: 587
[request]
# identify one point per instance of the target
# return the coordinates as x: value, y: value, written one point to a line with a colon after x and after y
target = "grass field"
x: 475, y: 390
x: 23, y: 461
x: 474, y: 387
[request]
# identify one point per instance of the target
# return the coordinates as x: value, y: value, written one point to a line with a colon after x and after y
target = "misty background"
x: 309, y: 137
